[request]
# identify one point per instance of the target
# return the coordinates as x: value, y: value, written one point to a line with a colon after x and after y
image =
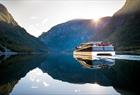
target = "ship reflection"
x: 96, y: 63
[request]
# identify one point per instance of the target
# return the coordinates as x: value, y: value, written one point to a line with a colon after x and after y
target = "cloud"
x: 44, y: 22
x: 33, y: 18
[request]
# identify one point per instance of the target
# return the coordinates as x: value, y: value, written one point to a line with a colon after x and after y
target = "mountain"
x: 123, y: 29
x: 15, y: 38
x: 5, y: 16
x: 68, y: 35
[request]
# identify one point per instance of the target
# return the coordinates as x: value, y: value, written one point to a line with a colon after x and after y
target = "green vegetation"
x: 126, y: 36
x: 66, y: 36
x: 17, y: 39
x: 123, y: 30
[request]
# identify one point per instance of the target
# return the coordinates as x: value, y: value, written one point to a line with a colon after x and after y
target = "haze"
x: 38, y: 16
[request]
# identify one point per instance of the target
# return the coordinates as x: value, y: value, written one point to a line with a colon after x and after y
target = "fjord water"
x: 61, y: 74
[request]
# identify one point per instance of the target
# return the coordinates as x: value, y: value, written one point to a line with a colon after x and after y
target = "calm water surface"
x: 64, y: 75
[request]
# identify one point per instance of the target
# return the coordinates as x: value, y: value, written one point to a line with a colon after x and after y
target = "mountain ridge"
x: 14, y: 38
x: 5, y: 16
x: 122, y: 29
x: 125, y: 27
x: 66, y: 36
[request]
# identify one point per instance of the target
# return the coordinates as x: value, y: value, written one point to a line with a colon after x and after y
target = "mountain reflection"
x: 13, y: 68
x: 123, y: 75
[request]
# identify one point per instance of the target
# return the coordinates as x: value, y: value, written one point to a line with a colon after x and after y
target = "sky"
x: 38, y: 16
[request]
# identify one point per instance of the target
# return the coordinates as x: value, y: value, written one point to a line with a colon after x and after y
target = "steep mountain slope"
x: 122, y: 30
x: 68, y: 35
x: 15, y: 38
x: 124, y: 27
x: 5, y: 16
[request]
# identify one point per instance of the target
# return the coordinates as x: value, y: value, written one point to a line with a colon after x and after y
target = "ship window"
x: 108, y: 48
x: 97, y: 48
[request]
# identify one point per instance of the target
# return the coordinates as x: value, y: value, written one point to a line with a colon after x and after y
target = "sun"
x: 96, y: 20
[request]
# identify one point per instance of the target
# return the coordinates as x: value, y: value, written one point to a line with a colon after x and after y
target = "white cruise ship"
x: 93, y: 50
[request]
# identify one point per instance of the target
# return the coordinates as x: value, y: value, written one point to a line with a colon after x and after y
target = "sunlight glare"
x: 37, y: 16
x: 96, y: 20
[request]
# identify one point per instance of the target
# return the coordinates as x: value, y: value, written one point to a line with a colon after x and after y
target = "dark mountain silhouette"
x: 15, y: 38
x: 68, y: 35
x: 123, y: 29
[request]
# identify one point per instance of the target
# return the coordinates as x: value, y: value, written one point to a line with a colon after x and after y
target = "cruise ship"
x: 93, y: 50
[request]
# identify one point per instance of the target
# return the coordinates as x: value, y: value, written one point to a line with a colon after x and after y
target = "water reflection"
x: 14, y: 67
x: 61, y: 74
x: 42, y: 84
x: 122, y: 75
x: 97, y: 63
